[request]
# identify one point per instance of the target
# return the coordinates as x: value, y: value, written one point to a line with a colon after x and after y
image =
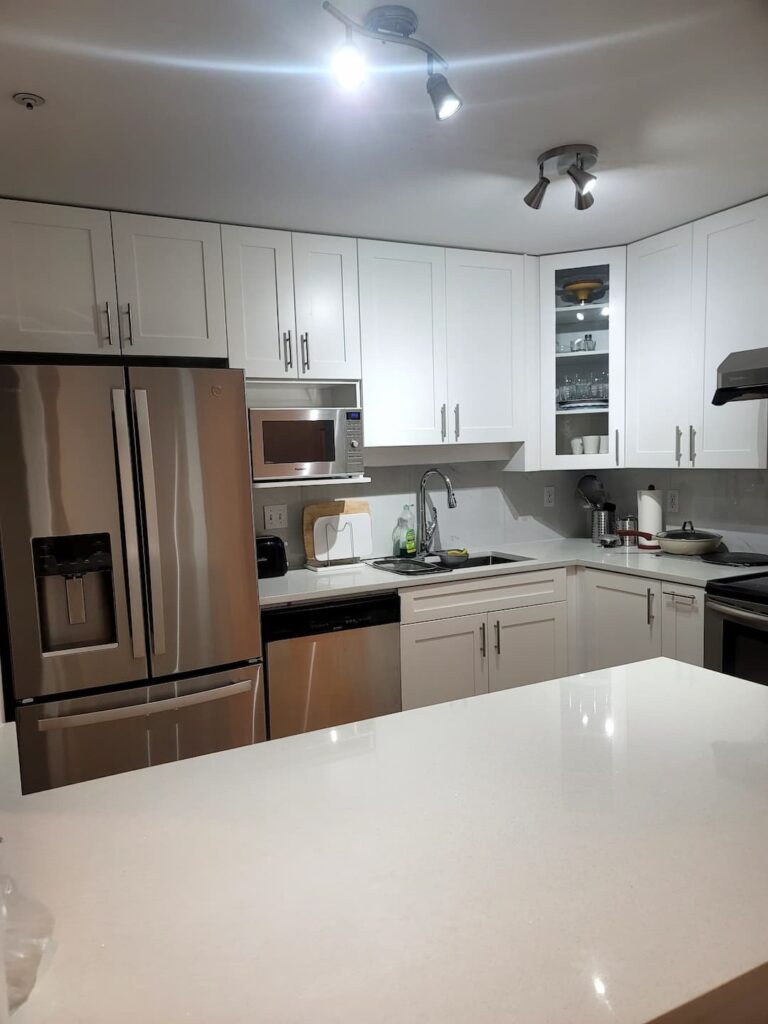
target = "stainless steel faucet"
x: 427, y: 527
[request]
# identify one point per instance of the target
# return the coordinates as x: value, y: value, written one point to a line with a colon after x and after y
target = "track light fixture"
x: 573, y: 160
x: 535, y: 197
x: 391, y: 23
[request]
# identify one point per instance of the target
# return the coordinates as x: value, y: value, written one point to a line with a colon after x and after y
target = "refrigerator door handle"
x: 147, y: 462
x: 140, y: 710
x: 128, y: 509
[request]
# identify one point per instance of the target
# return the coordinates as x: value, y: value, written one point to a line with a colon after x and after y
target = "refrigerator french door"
x: 128, y: 557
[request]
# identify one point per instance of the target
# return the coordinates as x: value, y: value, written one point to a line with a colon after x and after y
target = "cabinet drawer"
x: 487, y: 594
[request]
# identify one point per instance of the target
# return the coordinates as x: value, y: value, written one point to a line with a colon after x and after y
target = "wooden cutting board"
x: 342, y: 506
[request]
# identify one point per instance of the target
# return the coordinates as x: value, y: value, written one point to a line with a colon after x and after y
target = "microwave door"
x: 70, y: 546
x: 192, y: 452
x: 295, y: 443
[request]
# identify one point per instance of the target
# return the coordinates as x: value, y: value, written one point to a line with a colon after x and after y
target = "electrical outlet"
x: 275, y: 517
x: 549, y: 497
x: 673, y: 501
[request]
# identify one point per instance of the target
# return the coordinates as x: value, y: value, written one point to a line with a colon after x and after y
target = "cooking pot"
x: 685, y: 541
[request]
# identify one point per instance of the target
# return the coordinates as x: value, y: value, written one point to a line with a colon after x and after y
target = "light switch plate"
x: 275, y: 517
x: 549, y: 497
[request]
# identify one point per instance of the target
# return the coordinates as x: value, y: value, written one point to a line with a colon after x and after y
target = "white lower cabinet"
x: 443, y: 660
x: 682, y: 623
x: 623, y: 620
x: 527, y: 645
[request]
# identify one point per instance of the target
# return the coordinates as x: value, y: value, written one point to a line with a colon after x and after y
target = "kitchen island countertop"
x: 305, y: 585
x: 583, y: 850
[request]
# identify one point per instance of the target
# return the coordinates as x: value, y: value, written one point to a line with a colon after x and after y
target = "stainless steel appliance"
x: 742, y: 377
x: 129, y: 569
x: 603, y: 523
x: 736, y: 627
x: 332, y: 663
x: 295, y: 444
x: 628, y: 526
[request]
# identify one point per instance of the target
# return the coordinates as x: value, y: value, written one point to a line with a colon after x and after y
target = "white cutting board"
x: 349, y: 535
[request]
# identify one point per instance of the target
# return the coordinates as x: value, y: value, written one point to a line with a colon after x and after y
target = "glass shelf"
x: 595, y: 353
x: 587, y: 410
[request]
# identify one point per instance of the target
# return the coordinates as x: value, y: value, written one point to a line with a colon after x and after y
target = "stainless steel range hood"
x: 742, y: 377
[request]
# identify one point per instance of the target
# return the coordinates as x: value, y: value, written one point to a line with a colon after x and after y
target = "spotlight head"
x: 535, y: 197
x: 444, y: 99
x: 348, y: 66
x: 583, y: 180
x: 583, y: 202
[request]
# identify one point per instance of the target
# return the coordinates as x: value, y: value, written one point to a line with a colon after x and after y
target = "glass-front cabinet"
x: 582, y: 359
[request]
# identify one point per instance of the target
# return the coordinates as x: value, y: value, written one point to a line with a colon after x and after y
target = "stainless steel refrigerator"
x: 130, y: 598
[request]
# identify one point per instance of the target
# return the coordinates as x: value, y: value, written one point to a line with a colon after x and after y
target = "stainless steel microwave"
x: 295, y: 444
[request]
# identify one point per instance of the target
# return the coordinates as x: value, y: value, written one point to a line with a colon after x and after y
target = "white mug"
x: 604, y: 444
x: 577, y: 446
x: 591, y: 444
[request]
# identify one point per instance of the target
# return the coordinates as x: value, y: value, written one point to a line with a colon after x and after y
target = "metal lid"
x: 687, y: 532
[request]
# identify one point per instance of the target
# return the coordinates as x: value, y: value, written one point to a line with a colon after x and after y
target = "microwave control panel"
x: 354, y: 441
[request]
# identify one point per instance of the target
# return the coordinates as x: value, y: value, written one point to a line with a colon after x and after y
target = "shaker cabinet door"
x: 327, y: 311
x: 443, y: 660
x: 57, y: 280
x: 527, y: 645
x: 170, y: 286
x: 623, y: 618
x: 258, y: 285
x: 485, y: 298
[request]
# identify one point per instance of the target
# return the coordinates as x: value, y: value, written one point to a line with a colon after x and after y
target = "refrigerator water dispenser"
x: 75, y: 593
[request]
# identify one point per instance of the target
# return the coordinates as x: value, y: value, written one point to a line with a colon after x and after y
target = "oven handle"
x: 739, y: 614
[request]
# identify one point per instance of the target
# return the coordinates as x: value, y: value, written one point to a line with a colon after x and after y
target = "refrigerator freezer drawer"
x: 89, y: 737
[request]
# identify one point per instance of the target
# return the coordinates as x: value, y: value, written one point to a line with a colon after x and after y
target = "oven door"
x: 289, y: 444
x: 736, y: 639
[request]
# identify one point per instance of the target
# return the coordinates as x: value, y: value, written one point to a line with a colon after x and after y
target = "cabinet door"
x: 443, y: 660
x: 730, y: 260
x: 659, y: 355
x: 622, y: 618
x: 582, y: 359
x: 258, y: 287
x: 485, y: 326
x: 682, y: 623
x: 327, y: 310
x: 170, y: 286
x: 57, y: 280
x: 527, y: 645
x: 402, y: 327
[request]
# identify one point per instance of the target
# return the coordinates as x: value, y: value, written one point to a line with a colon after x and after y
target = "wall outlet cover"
x: 673, y: 501
x: 275, y: 517
x: 549, y: 497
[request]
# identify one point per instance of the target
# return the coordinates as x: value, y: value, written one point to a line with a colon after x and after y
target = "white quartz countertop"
x: 584, y: 850
x: 306, y: 585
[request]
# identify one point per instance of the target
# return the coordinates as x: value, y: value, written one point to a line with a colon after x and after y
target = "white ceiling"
x: 224, y: 110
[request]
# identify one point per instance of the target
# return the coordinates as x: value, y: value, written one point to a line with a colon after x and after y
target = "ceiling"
x: 224, y: 110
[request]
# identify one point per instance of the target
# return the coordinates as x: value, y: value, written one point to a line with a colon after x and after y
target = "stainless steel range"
x: 736, y: 627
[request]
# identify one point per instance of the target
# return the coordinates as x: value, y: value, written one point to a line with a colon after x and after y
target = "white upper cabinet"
x: 57, y: 280
x: 582, y: 359
x: 258, y: 285
x: 327, y: 313
x: 170, y: 286
x: 730, y: 268
x: 486, y: 346
x: 402, y: 321
x: 660, y: 357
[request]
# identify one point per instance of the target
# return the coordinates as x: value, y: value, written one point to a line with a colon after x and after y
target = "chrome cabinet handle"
x: 649, y: 606
x: 149, y: 488
x: 692, y: 444
x: 443, y: 421
x: 305, y: 352
x: 738, y: 614
x: 108, y: 311
x: 457, y: 421
x: 128, y: 508
x: 497, y: 628
x: 617, y: 446
x: 680, y: 597
x: 129, y: 339
x: 141, y: 710
x: 287, y: 351
x: 482, y: 640
x: 678, y: 445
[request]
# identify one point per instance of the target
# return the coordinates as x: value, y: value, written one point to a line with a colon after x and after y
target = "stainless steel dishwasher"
x: 330, y: 663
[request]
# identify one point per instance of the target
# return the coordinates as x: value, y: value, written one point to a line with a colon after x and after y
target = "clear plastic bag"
x: 27, y: 929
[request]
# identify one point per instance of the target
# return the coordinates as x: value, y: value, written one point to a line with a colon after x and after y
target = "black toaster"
x: 271, y: 558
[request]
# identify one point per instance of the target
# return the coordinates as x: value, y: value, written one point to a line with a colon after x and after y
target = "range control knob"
x: 354, y: 444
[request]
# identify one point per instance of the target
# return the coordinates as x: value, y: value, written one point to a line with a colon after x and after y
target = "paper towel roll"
x: 650, y: 506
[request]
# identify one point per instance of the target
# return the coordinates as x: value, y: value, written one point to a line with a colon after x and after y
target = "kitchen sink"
x: 479, y: 561
x: 421, y: 567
